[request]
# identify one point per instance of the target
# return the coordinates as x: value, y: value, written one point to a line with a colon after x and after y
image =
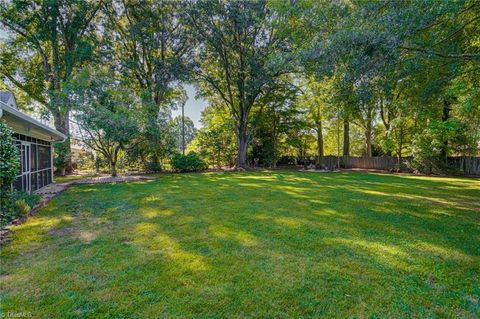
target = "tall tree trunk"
x: 61, y: 119
x: 400, y: 146
x: 274, y: 160
x: 319, y: 143
x: 218, y: 159
x: 346, y: 137
x: 275, y: 139
x: 62, y: 124
x: 113, y: 166
x: 183, y: 128
x: 368, y: 140
x: 242, y: 151
x: 242, y: 144
x: 445, y: 117
x: 274, y: 146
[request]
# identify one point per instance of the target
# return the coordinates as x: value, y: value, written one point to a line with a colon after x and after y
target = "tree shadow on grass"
x: 301, y: 244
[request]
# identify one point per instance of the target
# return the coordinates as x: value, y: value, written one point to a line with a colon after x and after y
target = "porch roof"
x: 26, y: 125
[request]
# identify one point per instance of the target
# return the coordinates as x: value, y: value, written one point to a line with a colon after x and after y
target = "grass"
x: 262, y: 244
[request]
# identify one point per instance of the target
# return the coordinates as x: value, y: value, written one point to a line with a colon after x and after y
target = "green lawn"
x: 258, y: 245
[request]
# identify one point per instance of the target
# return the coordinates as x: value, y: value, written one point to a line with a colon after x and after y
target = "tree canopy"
x: 286, y: 82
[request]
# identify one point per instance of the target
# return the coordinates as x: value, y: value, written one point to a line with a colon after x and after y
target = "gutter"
x: 5, y: 108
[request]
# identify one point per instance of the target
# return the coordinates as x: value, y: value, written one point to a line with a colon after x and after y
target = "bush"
x: 21, y: 207
x: 153, y: 166
x: 30, y: 199
x: 9, y: 157
x: 188, y: 163
x: 9, y: 166
x: 18, y: 204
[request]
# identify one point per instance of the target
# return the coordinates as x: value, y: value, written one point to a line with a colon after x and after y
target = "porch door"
x: 26, y: 167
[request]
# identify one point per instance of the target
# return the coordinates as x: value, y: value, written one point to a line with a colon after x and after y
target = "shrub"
x: 188, y: 163
x: 21, y: 207
x: 17, y: 205
x: 30, y: 199
x: 9, y: 166
x: 9, y: 158
x: 153, y: 166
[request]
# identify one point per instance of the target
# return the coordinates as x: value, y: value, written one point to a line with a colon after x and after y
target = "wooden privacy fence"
x: 464, y: 164
x: 380, y: 162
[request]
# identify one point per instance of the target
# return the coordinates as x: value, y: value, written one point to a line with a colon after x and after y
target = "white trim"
x: 51, y: 162
x: 56, y: 135
x: 27, y: 157
x: 40, y: 170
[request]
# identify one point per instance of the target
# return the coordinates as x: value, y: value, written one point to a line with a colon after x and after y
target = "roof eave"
x: 55, y: 135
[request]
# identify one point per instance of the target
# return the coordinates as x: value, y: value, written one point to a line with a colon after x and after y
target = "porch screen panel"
x: 44, y: 168
x: 33, y: 166
x: 33, y: 157
x: 43, y: 157
x: 40, y: 163
x: 18, y: 184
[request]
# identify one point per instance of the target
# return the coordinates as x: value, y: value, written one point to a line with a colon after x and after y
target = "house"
x: 35, y: 143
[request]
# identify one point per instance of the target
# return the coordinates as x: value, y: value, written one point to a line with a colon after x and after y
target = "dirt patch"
x: 61, y: 232
x: 87, y: 236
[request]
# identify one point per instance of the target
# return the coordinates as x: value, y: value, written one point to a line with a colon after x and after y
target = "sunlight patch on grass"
x: 444, y: 253
x: 142, y: 230
x: 291, y: 222
x: 251, y: 185
x: 149, y: 199
x: 329, y: 212
x: 165, y: 245
x: 242, y: 237
x: 293, y: 191
x: 259, y: 177
x: 416, y: 198
x: 151, y: 212
x: 150, y: 239
x: 389, y: 254
x: 35, y: 232
x: 42, y: 222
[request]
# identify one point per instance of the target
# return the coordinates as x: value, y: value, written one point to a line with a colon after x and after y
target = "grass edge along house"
x: 35, y: 144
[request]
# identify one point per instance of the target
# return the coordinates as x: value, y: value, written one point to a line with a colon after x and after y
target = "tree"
x: 184, y: 131
x: 215, y: 141
x: 280, y: 115
x: 48, y: 41
x: 237, y: 58
x: 105, y: 112
x: 151, y: 43
x: 315, y: 100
